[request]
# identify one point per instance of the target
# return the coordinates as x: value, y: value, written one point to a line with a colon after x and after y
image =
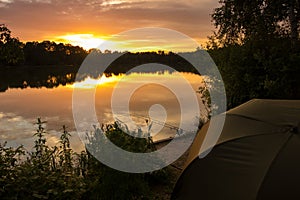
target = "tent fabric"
x: 260, y: 116
x: 256, y: 157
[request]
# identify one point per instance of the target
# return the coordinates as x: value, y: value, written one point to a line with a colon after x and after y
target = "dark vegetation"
x: 257, y: 49
x: 59, y: 173
x: 49, y: 76
x: 13, y: 52
x: 36, y: 76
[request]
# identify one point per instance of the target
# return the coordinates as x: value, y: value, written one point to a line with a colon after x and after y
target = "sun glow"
x: 91, y: 83
x: 139, y: 40
x: 87, y: 41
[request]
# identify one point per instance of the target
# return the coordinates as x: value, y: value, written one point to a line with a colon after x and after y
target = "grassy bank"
x: 56, y: 172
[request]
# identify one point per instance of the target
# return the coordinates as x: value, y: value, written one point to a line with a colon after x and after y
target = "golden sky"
x: 86, y: 22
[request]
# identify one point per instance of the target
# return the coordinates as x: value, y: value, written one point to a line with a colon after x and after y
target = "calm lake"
x: 20, y: 108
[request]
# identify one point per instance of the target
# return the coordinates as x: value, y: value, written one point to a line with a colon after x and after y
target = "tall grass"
x: 57, y: 172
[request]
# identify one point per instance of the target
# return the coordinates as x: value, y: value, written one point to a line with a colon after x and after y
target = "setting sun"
x: 87, y: 41
x: 136, y: 40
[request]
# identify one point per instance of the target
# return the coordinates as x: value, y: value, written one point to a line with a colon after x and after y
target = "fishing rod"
x: 148, y: 120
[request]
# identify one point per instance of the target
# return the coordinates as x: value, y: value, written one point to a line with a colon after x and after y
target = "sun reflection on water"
x: 108, y: 81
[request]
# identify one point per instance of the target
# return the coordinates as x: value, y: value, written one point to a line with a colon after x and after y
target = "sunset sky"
x: 87, y: 22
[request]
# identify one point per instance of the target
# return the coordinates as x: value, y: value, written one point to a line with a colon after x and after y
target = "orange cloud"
x: 45, y: 19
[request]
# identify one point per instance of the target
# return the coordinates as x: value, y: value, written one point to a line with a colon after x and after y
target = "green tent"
x: 257, y: 155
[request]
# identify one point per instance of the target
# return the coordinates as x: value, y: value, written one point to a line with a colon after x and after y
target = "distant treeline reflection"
x: 35, y: 76
x: 50, y: 76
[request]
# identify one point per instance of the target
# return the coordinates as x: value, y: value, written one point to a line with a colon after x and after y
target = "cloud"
x: 5, y: 3
x: 44, y: 19
x: 17, y: 130
x: 14, y: 127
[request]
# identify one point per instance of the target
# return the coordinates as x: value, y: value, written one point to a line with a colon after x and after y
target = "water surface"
x: 19, y: 108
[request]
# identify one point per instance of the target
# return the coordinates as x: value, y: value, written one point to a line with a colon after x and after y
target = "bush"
x: 59, y: 173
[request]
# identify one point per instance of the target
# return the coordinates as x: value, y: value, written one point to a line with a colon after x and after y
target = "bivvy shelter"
x: 257, y: 155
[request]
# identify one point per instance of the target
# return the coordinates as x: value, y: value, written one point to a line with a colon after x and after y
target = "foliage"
x: 50, y: 53
x: 10, y: 48
x: 239, y: 21
x: 14, y: 52
x: 259, y: 70
x: 139, y: 186
x: 257, y: 49
x: 59, y: 173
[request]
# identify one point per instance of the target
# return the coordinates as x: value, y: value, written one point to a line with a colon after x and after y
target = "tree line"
x: 14, y: 52
x: 36, y: 76
x: 257, y: 49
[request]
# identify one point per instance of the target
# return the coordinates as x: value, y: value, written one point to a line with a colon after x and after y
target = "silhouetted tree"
x: 240, y: 20
x: 11, y: 52
x: 50, y: 53
x: 257, y: 48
